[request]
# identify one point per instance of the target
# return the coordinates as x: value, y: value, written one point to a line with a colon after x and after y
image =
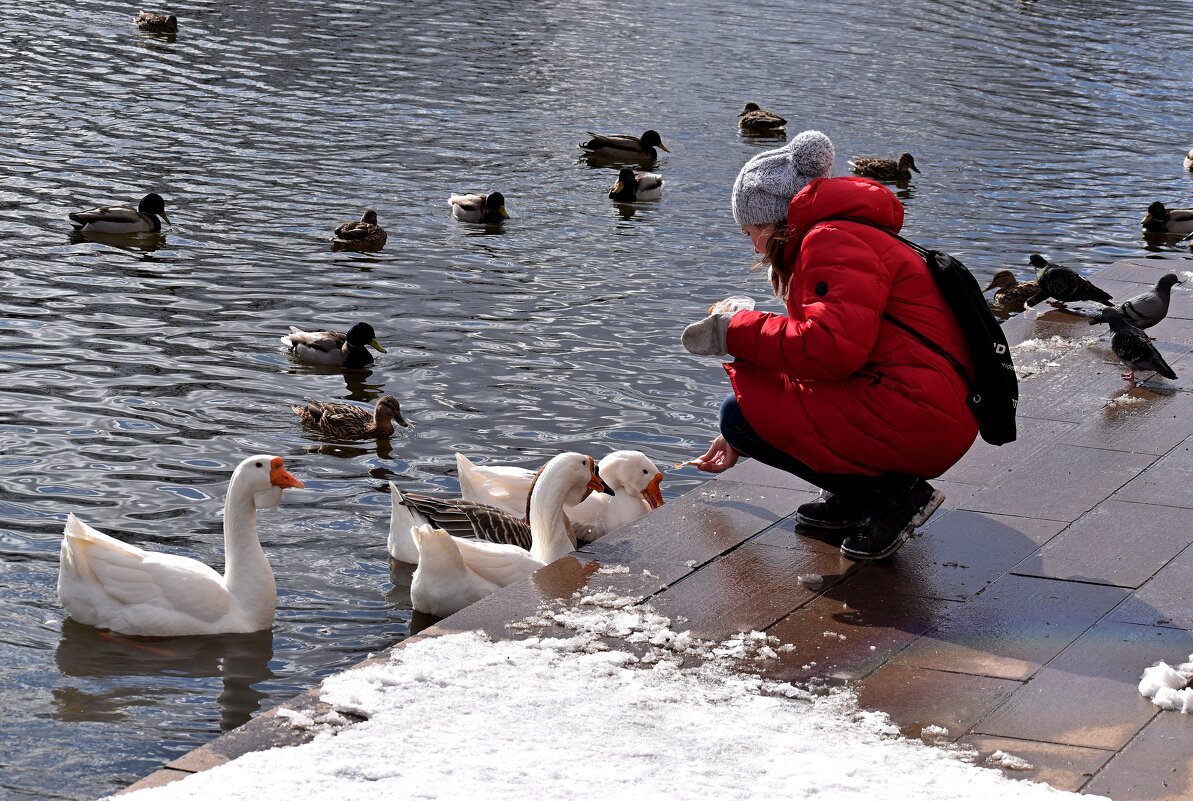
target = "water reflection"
x: 137, y: 243
x: 240, y: 660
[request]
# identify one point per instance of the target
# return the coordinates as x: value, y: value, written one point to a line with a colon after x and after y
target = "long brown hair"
x: 778, y: 273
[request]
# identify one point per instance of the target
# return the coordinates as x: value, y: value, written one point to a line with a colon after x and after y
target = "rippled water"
x: 137, y: 376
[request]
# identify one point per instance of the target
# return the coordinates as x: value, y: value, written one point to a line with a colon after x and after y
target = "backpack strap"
x: 928, y: 342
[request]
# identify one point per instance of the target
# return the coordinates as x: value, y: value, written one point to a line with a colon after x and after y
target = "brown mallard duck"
x: 756, y: 119
x: 156, y: 23
x: 622, y: 147
x: 1009, y: 290
x: 347, y: 421
x: 884, y: 169
x: 364, y: 233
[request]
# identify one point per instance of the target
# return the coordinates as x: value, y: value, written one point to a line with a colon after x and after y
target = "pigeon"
x: 1134, y: 348
x: 1063, y: 284
x: 1147, y: 308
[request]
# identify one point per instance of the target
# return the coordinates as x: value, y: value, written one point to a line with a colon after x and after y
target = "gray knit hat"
x: 765, y: 186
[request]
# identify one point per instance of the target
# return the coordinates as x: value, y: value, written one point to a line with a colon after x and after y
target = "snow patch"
x: 1050, y: 349
x: 622, y: 706
x: 1001, y: 759
x: 1169, y: 687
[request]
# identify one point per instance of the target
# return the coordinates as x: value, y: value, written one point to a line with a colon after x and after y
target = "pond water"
x: 137, y: 375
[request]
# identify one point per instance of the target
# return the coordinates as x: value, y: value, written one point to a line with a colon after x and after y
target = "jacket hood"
x: 845, y: 196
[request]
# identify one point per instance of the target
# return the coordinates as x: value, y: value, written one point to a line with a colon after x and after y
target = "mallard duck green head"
x: 1003, y: 279
x: 388, y: 409
x: 906, y: 162
x: 625, y: 179
x: 750, y: 107
x: 362, y: 334
x: 1156, y: 212
x: 154, y: 205
x: 652, y: 139
x: 496, y: 202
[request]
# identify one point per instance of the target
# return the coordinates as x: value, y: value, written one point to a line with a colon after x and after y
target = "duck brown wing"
x: 472, y: 520
x: 618, y: 141
x: 353, y: 231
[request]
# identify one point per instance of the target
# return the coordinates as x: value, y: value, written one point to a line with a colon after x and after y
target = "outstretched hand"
x: 719, y: 457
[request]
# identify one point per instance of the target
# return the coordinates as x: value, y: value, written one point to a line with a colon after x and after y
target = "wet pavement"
x: 1019, y: 619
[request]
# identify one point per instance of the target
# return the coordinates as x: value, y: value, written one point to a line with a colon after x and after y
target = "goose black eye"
x: 645, y: 471
x: 258, y: 464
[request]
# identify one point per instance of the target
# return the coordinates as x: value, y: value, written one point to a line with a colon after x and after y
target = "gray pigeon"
x: 1134, y: 347
x: 1063, y: 284
x: 1147, y: 308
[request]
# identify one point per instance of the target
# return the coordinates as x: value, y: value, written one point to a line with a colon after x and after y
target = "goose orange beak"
x: 652, y: 494
x: 594, y: 482
x: 280, y: 476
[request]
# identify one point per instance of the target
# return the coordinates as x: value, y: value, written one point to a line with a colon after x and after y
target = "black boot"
x: 830, y: 513
x: 886, y: 530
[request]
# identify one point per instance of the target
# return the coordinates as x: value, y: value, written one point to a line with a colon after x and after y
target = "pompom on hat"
x: 765, y: 186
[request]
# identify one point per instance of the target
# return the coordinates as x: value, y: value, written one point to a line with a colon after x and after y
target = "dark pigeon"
x: 1063, y: 284
x: 1147, y: 308
x: 1134, y: 347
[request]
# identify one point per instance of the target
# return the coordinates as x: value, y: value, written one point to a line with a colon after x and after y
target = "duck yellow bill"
x: 504, y: 214
x: 165, y: 217
x: 375, y: 345
x: 652, y: 494
x: 617, y: 187
x: 280, y: 476
x: 664, y: 147
x: 1147, y: 219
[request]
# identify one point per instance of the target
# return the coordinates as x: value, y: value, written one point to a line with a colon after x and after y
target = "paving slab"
x: 1167, y: 482
x: 1017, y: 625
x: 1166, y: 599
x: 1155, y: 766
x: 1065, y: 767
x: 1088, y: 695
x: 1117, y: 542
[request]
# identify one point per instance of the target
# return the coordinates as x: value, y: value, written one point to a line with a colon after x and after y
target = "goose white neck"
x: 549, y: 526
x: 247, y: 574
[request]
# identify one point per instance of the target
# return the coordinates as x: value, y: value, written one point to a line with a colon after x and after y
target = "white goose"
x: 545, y: 532
x: 633, y: 478
x: 110, y: 584
x: 454, y: 572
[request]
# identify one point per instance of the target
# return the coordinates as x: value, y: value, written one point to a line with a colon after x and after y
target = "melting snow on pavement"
x: 1168, y: 687
x: 622, y: 706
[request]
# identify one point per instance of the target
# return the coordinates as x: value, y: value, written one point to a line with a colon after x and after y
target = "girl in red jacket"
x: 837, y: 391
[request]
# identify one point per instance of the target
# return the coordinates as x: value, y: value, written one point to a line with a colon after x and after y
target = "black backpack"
x: 994, y: 390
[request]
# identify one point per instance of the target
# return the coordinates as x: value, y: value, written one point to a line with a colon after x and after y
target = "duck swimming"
x: 884, y: 169
x: 633, y: 186
x: 347, y: 421
x: 343, y: 349
x: 488, y: 209
x: 156, y: 23
x: 756, y: 119
x: 622, y: 147
x: 123, y: 219
x: 364, y: 233
x: 1162, y: 220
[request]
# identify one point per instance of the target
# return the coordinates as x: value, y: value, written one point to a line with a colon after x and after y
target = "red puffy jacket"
x: 833, y: 383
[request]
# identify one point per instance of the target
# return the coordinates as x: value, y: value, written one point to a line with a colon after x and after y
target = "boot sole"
x: 917, y: 520
x: 826, y: 525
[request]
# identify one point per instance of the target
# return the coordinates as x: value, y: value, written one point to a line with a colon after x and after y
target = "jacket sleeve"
x: 835, y: 308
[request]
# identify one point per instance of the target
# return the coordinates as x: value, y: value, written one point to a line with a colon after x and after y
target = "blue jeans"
x: 873, y: 493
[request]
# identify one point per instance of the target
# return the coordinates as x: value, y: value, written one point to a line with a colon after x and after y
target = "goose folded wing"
x: 471, y: 520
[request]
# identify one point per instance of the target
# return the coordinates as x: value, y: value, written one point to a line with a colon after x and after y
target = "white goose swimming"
x: 110, y: 584
x: 633, y: 478
x: 544, y: 530
x: 454, y: 572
